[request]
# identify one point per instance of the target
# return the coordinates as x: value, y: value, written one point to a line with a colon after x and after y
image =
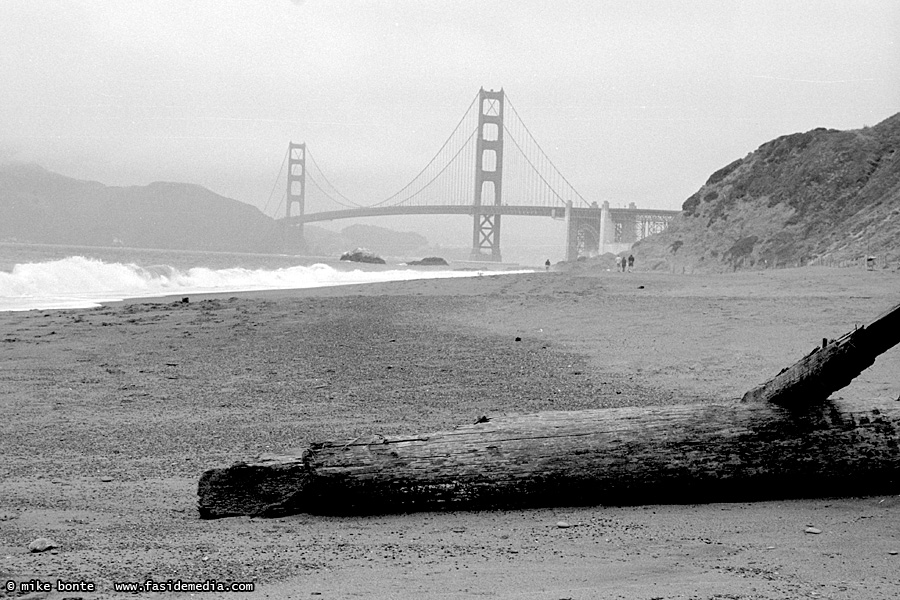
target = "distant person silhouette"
x: 547, y: 265
x: 630, y: 262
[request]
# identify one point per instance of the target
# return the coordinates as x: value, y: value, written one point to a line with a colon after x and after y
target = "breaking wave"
x: 78, y: 282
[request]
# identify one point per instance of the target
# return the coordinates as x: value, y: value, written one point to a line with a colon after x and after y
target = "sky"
x: 633, y: 100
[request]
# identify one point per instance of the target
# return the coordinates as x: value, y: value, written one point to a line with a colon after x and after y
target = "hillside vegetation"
x: 823, y: 194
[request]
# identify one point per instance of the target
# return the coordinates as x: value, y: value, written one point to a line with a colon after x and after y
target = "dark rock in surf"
x: 363, y: 255
x: 429, y: 261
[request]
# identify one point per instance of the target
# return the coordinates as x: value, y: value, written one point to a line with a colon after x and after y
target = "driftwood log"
x: 788, y: 447
x: 689, y: 453
x: 832, y: 366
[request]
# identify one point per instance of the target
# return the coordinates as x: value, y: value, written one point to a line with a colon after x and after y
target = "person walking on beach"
x: 547, y: 265
x: 618, y: 263
x: 630, y: 262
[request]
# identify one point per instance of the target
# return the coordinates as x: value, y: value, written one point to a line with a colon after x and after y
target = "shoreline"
x: 112, y: 414
x: 70, y: 301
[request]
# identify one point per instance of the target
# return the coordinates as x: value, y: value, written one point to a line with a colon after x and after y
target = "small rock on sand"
x: 812, y: 530
x: 42, y: 545
x: 563, y: 524
x: 106, y: 479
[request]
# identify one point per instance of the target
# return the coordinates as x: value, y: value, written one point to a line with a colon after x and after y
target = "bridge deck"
x: 557, y: 212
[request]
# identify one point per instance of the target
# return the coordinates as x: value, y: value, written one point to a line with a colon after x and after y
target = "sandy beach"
x: 110, y: 415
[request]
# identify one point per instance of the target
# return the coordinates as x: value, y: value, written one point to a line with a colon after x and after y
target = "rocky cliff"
x: 824, y: 194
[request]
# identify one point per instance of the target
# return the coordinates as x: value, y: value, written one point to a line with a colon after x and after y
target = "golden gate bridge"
x: 490, y: 166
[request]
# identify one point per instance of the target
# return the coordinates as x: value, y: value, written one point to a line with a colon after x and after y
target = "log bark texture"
x: 691, y: 453
x: 832, y: 366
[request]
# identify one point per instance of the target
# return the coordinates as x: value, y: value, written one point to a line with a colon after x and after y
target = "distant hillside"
x: 823, y: 193
x: 38, y: 206
x: 385, y: 241
x: 380, y: 240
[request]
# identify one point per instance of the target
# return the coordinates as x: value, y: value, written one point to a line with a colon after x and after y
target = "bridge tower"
x: 488, y: 174
x: 292, y: 235
x: 296, y: 178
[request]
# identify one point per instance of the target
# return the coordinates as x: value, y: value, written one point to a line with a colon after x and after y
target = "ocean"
x: 42, y: 276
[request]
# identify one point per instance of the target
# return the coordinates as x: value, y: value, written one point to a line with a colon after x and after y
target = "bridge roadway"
x: 556, y: 212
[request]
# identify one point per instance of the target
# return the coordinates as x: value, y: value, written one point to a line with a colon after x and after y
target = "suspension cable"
x: 544, y: 153
x: 274, y: 185
x: 441, y: 172
x: 401, y: 190
x: 537, y: 172
x: 337, y: 191
x: 329, y: 196
x: 280, y: 204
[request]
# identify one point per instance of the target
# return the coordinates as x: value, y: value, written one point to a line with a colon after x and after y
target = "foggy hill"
x: 39, y: 206
x: 387, y: 241
x: 380, y: 240
x: 823, y: 193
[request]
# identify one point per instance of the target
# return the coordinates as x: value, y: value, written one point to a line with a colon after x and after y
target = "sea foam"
x: 79, y: 282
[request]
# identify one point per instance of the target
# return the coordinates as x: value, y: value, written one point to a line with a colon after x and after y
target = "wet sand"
x: 111, y: 415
